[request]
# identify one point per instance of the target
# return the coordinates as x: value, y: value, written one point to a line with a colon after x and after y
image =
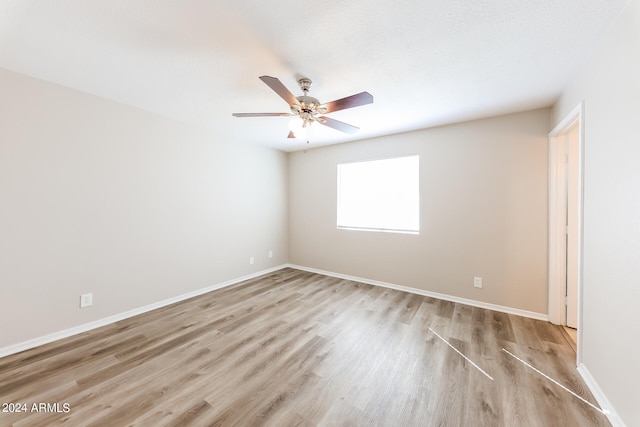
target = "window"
x: 380, y: 195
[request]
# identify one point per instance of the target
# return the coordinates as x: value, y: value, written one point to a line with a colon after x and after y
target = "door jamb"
x: 557, y: 257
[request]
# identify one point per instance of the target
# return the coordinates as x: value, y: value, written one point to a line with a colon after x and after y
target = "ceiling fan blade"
x: 260, y: 114
x: 291, y: 135
x: 337, y: 124
x: 356, y: 100
x: 277, y: 86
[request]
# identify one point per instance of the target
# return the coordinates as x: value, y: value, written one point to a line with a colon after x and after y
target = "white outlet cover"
x: 477, y: 282
x: 86, y: 300
x: 250, y: 260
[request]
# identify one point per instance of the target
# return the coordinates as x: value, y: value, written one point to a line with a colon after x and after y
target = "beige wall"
x: 100, y: 197
x: 483, y: 190
x: 610, y: 88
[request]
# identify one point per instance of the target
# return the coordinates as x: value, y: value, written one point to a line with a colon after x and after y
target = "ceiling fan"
x: 306, y: 109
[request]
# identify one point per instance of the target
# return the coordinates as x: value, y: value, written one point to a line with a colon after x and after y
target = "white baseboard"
x: 46, y: 339
x: 474, y: 303
x: 604, y: 403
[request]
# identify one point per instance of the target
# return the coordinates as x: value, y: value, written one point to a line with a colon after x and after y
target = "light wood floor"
x: 299, y: 349
x: 572, y: 336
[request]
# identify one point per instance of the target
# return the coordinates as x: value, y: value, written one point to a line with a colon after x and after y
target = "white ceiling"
x: 426, y: 62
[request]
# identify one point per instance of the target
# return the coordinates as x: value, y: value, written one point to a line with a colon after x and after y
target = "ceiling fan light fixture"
x: 299, y: 127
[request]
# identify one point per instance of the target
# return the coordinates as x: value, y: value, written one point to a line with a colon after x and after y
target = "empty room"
x: 296, y: 213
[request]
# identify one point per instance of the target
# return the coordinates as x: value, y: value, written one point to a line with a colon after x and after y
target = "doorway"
x: 565, y: 222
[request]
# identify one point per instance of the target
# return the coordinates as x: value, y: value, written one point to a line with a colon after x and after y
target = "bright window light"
x: 380, y: 195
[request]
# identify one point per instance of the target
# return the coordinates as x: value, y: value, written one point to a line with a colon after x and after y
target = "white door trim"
x: 557, y: 215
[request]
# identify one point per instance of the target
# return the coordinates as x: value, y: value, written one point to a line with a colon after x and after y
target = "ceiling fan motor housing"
x: 308, y: 104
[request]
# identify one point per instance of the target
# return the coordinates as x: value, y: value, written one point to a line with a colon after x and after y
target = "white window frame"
x: 389, y: 197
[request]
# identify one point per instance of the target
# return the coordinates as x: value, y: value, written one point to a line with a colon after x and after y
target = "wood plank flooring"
x: 294, y: 348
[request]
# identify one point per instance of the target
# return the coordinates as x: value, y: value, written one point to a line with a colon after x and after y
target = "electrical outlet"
x: 270, y: 254
x: 477, y: 282
x: 86, y: 300
x: 251, y: 260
